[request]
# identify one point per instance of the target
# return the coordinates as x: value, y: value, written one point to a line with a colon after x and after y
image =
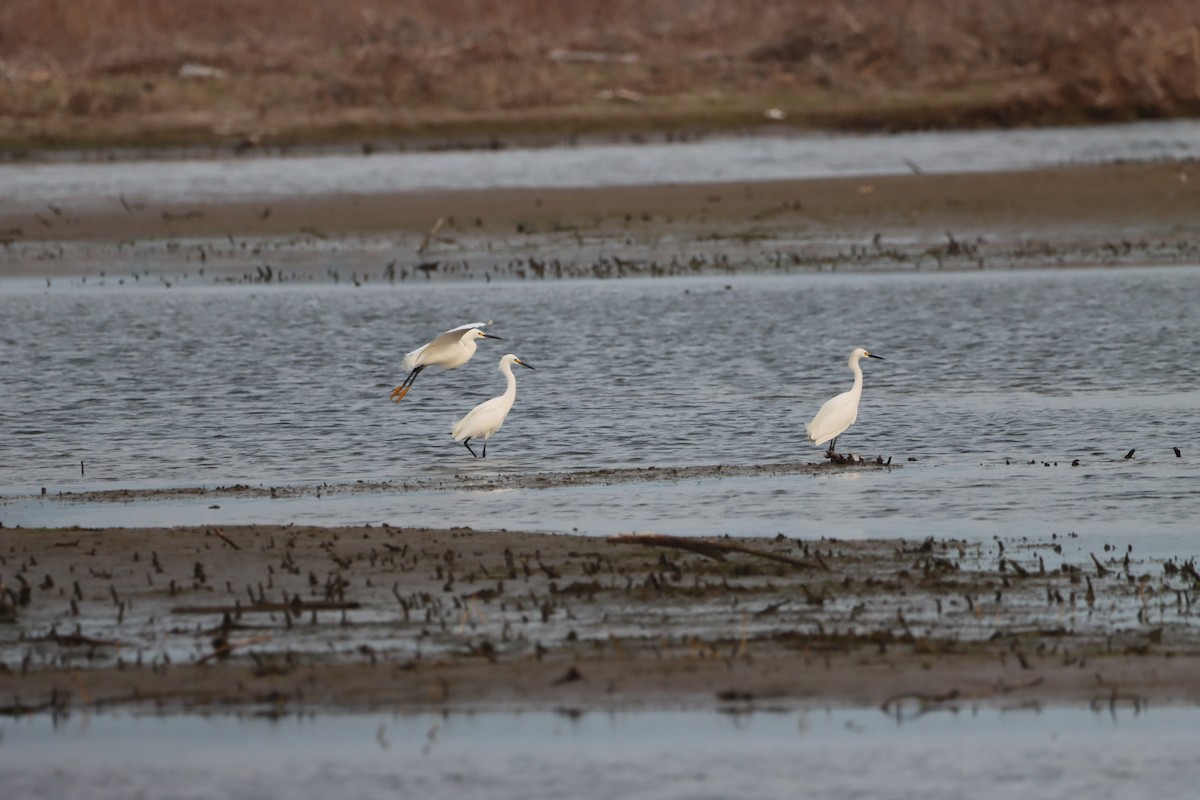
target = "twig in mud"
x: 1024, y: 573
x: 795, y: 562
x: 229, y: 647
x: 711, y: 549
x: 264, y: 607
x: 771, y: 609
x: 700, y: 546
x: 79, y: 640
x: 217, y: 532
x: 432, y: 236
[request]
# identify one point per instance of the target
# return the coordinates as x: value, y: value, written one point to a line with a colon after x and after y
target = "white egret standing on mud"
x: 448, y: 350
x: 839, y: 412
x: 487, y: 417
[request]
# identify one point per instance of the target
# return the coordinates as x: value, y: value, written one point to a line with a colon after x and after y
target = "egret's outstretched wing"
x: 459, y: 330
x: 440, y: 341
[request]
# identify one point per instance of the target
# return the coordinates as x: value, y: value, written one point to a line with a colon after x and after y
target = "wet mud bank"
x: 488, y: 482
x: 288, y: 619
x: 1117, y: 214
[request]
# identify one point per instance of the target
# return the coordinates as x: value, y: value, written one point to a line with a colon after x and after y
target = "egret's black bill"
x: 523, y: 364
x: 490, y: 336
x: 872, y: 355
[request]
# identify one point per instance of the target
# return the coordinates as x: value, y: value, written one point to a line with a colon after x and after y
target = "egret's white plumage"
x: 840, y: 412
x: 448, y: 350
x: 487, y: 417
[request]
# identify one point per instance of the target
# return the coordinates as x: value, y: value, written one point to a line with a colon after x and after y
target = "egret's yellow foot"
x: 399, y: 392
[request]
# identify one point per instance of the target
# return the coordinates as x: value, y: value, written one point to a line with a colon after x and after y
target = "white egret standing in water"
x: 839, y: 412
x: 487, y: 417
x: 448, y: 350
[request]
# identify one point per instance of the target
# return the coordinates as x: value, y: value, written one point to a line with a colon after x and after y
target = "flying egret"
x: 487, y: 417
x: 448, y: 350
x: 839, y: 412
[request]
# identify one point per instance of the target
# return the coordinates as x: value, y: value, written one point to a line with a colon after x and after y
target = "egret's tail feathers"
x: 410, y: 359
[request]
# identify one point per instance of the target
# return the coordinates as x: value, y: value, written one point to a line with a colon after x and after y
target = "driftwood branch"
x: 711, y: 549
x: 432, y: 236
x: 293, y: 608
x: 217, y: 532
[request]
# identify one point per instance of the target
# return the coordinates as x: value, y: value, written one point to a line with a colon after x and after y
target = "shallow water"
x: 984, y: 373
x: 31, y: 186
x: 1057, y: 753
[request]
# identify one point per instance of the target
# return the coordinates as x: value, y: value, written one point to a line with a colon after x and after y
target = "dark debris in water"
x: 304, y: 618
x: 533, y: 480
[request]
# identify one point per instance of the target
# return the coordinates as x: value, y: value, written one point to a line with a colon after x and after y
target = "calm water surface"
x: 1059, y: 753
x: 31, y: 186
x: 984, y: 373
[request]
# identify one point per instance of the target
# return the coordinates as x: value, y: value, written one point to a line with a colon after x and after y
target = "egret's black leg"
x: 485, y: 448
x: 467, y: 444
x: 833, y: 444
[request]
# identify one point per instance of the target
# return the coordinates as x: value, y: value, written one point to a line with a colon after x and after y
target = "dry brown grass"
x: 346, y: 65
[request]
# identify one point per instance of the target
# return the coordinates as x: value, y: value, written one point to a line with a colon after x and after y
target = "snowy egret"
x: 839, y: 412
x: 487, y: 417
x: 448, y: 350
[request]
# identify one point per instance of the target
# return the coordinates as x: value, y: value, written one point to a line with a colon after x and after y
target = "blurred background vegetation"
x: 146, y: 72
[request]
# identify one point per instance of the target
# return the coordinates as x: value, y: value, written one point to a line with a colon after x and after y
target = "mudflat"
x: 1085, y: 215
x: 286, y: 619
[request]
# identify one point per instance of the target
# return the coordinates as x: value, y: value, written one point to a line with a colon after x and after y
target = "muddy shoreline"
x: 466, y: 482
x: 288, y: 619
x: 1122, y: 214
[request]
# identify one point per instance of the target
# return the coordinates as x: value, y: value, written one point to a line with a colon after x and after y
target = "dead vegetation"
x: 157, y: 70
x: 304, y: 618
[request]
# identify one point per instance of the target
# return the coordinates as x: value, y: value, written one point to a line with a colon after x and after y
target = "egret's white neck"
x: 857, y: 370
x: 510, y: 391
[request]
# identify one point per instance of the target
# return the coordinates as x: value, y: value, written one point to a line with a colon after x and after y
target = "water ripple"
x: 288, y: 385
